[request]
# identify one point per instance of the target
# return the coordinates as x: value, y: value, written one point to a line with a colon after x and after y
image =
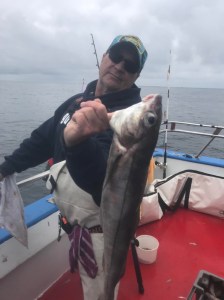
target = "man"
x: 119, y: 69
x: 79, y: 132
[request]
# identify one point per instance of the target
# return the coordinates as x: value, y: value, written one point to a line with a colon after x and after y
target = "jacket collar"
x: 114, y: 100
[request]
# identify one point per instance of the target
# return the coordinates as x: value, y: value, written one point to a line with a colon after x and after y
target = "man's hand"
x: 91, y: 118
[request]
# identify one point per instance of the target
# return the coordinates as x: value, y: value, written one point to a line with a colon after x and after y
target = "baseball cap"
x: 135, y: 43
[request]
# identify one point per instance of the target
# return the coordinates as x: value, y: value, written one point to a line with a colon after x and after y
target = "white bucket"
x: 147, y: 249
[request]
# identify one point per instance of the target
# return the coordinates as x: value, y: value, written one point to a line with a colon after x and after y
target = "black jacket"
x: 86, y: 161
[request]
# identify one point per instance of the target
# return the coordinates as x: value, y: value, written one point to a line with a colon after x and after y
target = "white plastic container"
x: 147, y: 249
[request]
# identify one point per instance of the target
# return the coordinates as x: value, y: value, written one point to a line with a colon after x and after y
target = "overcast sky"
x: 50, y: 39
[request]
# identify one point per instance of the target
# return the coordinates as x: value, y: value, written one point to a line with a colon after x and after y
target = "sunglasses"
x: 129, y: 66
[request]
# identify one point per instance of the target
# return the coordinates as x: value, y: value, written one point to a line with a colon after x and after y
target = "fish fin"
x: 118, y: 151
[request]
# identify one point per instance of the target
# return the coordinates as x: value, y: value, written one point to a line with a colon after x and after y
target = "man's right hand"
x: 91, y: 118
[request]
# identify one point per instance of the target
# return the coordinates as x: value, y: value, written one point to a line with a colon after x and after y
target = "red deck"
x: 189, y: 242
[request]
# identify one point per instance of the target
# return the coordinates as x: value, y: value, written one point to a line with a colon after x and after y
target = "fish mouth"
x: 156, y: 105
x: 157, y: 99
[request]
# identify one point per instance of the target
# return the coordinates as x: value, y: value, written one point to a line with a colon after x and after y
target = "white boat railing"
x: 33, y: 178
x: 171, y: 126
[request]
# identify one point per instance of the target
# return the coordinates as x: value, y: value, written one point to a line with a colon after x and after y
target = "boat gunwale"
x: 42, y: 208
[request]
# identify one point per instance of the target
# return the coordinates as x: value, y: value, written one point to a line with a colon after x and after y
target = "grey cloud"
x: 53, y: 38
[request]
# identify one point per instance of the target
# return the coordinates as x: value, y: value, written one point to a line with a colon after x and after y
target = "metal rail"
x: 193, y: 124
x: 193, y: 132
x: 171, y: 127
x: 33, y: 178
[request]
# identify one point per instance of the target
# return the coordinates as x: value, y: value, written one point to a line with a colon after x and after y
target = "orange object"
x: 151, y: 171
x: 64, y: 220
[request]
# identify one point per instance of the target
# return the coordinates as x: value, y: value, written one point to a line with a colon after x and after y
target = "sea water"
x: 25, y: 105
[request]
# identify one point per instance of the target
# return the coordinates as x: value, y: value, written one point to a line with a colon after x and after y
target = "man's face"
x: 113, y: 76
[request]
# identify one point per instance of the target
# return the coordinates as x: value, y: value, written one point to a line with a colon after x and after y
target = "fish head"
x: 138, y: 122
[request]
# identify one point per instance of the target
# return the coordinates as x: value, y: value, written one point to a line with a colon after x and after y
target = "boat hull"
x: 28, y: 273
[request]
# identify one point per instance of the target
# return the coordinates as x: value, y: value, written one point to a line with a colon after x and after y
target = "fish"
x: 136, y: 131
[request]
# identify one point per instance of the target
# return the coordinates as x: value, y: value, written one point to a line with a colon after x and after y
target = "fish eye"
x: 151, y: 120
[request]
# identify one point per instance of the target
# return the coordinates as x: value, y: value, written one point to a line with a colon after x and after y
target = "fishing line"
x: 166, y: 121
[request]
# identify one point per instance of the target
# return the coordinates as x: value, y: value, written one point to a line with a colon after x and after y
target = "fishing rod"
x: 95, y: 53
x: 166, y: 122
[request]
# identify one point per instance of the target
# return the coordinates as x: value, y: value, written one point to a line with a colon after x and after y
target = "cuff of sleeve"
x: 6, y: 169
x: 77, y: 149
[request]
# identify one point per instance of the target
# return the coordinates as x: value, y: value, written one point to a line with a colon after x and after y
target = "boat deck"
x: 189, y: 242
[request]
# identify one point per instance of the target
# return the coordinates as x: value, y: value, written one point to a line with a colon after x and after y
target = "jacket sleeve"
x: 32, y: 151
x: 39, y: 147
x: 87, y: 163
